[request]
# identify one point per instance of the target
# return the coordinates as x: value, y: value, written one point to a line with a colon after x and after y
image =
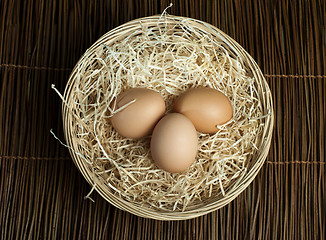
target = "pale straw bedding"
x: 169, y: 57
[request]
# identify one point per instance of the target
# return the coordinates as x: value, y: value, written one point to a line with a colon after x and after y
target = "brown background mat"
x: 42, y: 192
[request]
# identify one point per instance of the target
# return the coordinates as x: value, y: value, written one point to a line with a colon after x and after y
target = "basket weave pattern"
x: 193, y: 211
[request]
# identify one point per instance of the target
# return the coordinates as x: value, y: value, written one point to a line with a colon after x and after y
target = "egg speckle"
x: 140, y: 117
x: 174, y: 143
x: 205, y: 107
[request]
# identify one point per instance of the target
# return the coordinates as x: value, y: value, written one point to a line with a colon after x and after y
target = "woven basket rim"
x: 176, y: 215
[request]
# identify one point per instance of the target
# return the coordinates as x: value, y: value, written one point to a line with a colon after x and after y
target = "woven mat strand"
x: 42, y: 192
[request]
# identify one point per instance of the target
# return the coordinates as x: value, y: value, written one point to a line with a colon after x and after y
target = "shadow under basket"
x: 90, y: 63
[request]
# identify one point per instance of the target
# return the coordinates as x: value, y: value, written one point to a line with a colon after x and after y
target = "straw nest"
x: 170, y: 55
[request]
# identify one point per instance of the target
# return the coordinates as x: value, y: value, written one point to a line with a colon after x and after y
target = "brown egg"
x: 174, y: 143
x: 139, y: 118
x: 205, y: 107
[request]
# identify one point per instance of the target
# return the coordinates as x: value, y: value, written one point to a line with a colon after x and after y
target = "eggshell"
x: 205, y: 107
x: 174, y: 143
x: 139, y: 118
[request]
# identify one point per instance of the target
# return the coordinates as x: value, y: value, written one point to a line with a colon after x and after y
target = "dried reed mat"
x: 169, y: 55
x: 41, y: 190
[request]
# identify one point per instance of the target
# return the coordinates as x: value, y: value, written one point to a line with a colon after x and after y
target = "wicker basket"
x: 193, y: 211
